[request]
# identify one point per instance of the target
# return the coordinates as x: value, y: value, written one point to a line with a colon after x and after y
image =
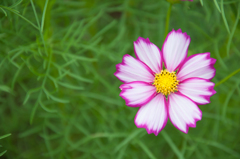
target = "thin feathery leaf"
x: 43, y: 15
x: 16, y: 4
x: 226, y: 78
x: 233, y: 30
x: 172, y: 145
x: 216, y: 3
x: 224, y: 18
x: 4, y: 136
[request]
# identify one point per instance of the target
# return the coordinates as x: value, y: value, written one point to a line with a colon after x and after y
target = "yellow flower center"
x: 166, y: 82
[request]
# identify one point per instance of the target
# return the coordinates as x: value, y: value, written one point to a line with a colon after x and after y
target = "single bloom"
x: 171, y: 91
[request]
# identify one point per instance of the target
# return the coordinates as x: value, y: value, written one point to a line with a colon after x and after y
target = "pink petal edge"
x: 145, y: 125
x: 187, y: 124
x: 123, y: 63
x: 206, y: 97
x: 182, y: 60
x: 127, y: 87
x: 211, y: 65
x: 148, y: 53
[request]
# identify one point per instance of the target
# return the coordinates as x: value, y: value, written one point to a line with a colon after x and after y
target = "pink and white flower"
x: 166, y: 92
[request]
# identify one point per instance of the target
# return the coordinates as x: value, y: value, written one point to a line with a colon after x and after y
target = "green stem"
x: 226, y: 78
x: 167, y: 20
x: 43, y: 16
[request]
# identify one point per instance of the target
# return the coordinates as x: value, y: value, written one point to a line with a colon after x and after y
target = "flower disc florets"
x: 166, y: 82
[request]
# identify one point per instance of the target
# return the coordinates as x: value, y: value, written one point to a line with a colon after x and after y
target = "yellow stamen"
x: 166, y: 82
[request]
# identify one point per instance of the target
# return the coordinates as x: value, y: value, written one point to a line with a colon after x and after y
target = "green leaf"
x: 5, y: 88
x: 35, y: 13
x: 17, y: 13
x: 229, y: 95
x: 57, y: 99
x: 128, y: 139
x: 233, y: 31
x: 3, y: 11
x: 1, y: 154
x: 4, y: 136
x: 224, y: 18
x: 105, y: 29
x: 34, y: 90
x: 220, y: 146
x: 67, y: 85
x: 146, y: 149
x: 216, y: 3
x: 82, y: 58
x: 47, y: 109
x: 43, y: 16
x: 172, y: 145
x: 78, y: 77
x: 15, y: 76
x: 30, y: 131
x: 15, y: 4
x: 33, y: 112
x: 220, y: 60
x: 226, y: 78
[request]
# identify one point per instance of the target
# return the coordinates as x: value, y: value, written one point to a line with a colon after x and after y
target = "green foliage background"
x: 60, y: 99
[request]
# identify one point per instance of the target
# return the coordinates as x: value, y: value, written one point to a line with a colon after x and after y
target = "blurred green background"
x: 60, y: 99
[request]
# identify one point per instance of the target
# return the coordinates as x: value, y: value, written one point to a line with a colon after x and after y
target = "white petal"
x: 175, y: 49
x: 148, y: 53
x: 183, y: 112
x: 198, y: 65
x: 137, y: 93
x: 153, y: 116
x: 197, y: 89
x: 132, y: 69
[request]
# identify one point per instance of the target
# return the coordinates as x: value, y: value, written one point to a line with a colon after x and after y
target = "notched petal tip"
x: 190, y: 113
x: 148, y: 53
x: 153, y: 116
x: 208, y: 56
x: 199, y: 90
x: 179, y: 31
x: 125, y: 86
x: 131, y: 69
x: 142, y: 39
x: 190, y: 125
x: 213, y: 91
x: 198, y: 65
x: 147, y: 129
x: 175, y: 49
x: 137, y: 93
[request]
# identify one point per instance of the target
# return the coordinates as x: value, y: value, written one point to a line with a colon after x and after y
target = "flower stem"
x: 226, y: 78
x: 167, y: 20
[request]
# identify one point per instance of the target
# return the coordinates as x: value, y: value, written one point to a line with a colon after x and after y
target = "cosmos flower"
x: 173, y: 91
